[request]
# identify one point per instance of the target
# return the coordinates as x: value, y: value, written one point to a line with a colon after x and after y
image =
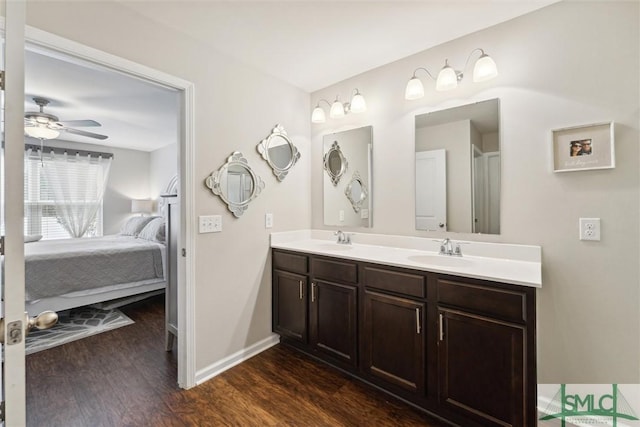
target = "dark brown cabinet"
x: 461, y: 348
x: 481, y: 368
x: 333, y: 321
x: 394, y: 341
x: 290, y: 305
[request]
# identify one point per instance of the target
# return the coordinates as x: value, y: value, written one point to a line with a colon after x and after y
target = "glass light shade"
x: 41, y: 132
x: 318, y: 115
x: 358, y: 104
x: 447, y: 79
x: 337, y: 110
x: 414, y: 89
x: 485, y: 69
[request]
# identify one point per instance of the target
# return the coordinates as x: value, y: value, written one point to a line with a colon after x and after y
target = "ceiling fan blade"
x: 84, y: 133
x: 79, y: 123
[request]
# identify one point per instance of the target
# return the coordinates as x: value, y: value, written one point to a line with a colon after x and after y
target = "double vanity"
x: 453, y: 335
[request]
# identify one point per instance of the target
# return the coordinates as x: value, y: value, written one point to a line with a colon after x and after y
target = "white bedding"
x: 58, y: 267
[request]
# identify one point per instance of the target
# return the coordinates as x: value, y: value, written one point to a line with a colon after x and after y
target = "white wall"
x: 235, y: 108
x: 128, y: 179
x: 556, y: 67
x: 163, y: 165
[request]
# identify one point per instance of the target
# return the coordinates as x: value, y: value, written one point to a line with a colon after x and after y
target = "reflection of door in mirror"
x: 239, y: 184
x: 431, y: 190
x: 470, y: 135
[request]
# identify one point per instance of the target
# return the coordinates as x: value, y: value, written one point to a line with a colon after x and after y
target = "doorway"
x: 38, y: 40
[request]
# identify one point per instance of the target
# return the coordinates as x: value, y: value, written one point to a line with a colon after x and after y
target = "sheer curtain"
x: 77, y: 183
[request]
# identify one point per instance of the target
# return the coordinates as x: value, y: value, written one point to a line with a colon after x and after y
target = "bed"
x: 68, y: 273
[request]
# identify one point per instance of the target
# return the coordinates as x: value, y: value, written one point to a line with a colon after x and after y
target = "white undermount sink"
x: 442, y: 260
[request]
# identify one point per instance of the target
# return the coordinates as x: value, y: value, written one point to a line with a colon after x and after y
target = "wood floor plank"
x: 125, y: 378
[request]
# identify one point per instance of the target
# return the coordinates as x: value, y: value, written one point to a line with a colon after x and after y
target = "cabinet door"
x: 333, y: 321
x: 394, y: 341
x: 481, y: 368
x: 290, y: 305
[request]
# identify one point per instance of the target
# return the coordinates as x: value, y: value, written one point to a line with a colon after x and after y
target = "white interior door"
x: 11, y: 194
x: 431, y: 190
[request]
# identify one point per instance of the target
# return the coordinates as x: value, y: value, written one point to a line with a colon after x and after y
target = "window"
x: 68, y: 192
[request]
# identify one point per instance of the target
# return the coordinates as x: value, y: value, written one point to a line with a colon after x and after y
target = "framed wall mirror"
x: 235, y: 183
x: 347, y: 203
x: 279, y: 152
x: 457, y: 164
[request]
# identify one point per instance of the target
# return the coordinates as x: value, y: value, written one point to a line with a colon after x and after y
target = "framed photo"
x: 582, y: 148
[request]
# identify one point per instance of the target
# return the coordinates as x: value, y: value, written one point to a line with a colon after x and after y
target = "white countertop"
x: 500, y: 262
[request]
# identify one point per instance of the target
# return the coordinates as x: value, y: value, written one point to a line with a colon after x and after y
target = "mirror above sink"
x: 347, y: 178
x: 457, y: 165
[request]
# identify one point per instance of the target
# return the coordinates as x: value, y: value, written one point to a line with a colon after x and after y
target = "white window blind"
x: 83, y: 185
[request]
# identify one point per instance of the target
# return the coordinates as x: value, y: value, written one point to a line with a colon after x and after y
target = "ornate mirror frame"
x: 263, y: 149
x: 356, y: 204
x: 335, y: 177
x: 214, y: 183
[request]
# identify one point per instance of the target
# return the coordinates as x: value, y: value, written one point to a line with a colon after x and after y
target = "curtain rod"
x: 60, y: 150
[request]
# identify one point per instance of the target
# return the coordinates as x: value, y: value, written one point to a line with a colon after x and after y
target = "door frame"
x: 186, y: 242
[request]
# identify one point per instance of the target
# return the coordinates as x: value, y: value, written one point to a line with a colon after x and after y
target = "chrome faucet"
x: 343, y: 238
x: 447, y: 248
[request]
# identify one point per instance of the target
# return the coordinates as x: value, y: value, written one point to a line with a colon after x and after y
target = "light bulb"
x: 485, y: 69
x: 414, y: 89
x: 318, y: 115
x: 41, y: 132
x: 447, y: 78
x: 337, y: 109
x: 358, y: 104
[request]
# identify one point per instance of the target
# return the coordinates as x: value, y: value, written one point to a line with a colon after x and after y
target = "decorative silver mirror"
x: 356, y: 191
x: 279, y: 152
x: 235, y: 183
x: 335, y: 163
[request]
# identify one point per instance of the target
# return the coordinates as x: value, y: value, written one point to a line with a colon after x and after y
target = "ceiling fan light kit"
x: 38, y: 124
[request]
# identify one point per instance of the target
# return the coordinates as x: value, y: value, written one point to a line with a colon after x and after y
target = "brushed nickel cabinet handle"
x: 313, y: 292
x: 417, y: 320
x: 441, y: 318
x: 301, y: 292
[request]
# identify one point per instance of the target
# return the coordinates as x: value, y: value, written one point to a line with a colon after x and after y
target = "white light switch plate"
x: 268, y: 220
x: 590, y: 229
x: 210, y: 223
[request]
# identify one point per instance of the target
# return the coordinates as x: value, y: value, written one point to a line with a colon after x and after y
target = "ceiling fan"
x: 41, y: 125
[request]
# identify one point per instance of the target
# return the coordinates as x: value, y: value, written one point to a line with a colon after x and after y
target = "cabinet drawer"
x: 290, y: 262
x: 395, y: 281
x: 335, y: 271
x: 503, y: 303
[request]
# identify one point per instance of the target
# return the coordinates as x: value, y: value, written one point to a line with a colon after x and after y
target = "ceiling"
x: 309, y: 44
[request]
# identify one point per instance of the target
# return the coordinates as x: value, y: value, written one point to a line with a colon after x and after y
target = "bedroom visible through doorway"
x: 142, y: 121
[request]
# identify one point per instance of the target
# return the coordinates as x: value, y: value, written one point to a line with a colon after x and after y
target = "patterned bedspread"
x: 56, y: 267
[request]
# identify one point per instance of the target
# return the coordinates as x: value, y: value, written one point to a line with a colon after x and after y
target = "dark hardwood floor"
x: 125, y: 378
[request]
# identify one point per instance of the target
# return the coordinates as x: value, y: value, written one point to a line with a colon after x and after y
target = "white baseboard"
x: 236, y: 358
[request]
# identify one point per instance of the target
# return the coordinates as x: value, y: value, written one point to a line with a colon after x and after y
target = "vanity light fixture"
x: 337, y: 109
x: 448, y: 78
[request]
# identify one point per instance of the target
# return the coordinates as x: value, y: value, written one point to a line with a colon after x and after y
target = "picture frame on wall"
x: 582, y: 148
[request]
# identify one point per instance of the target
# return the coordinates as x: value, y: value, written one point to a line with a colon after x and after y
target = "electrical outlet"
x: 268, y: 220
x: 364, y: 214
x: 209, y: 223
x: 341, y: 215
x: 590, y: 229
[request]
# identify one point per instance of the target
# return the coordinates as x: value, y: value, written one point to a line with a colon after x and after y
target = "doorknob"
x: 44, y: 320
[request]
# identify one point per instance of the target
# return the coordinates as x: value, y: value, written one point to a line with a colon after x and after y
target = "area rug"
x: 75, y: 324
